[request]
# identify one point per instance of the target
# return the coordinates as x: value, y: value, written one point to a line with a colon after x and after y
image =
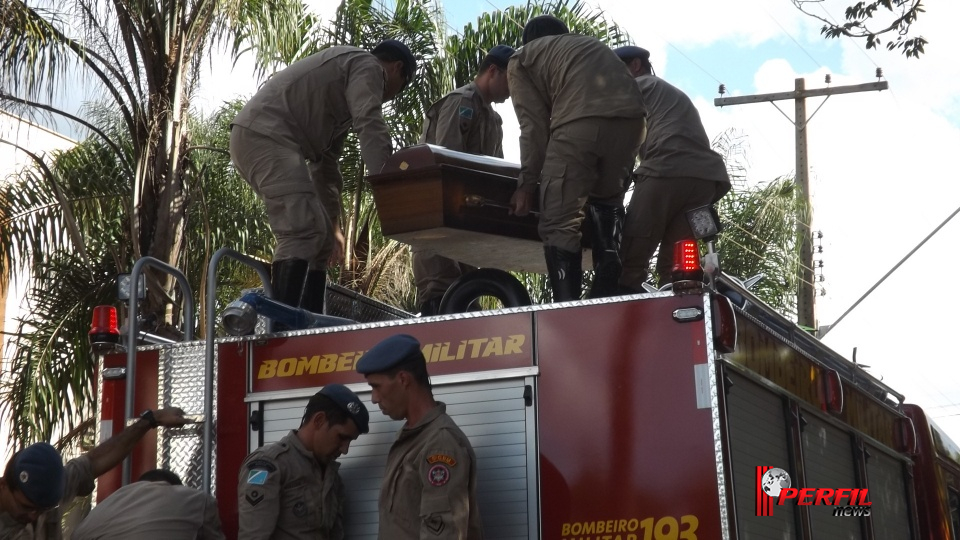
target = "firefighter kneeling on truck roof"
x: 430, y: 488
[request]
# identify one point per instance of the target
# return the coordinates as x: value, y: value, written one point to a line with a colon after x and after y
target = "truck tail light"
x: 724, y: 324
x: 686, y: 261
x: 832, y: 399
x: 104, y: 334
x: 906, y: 435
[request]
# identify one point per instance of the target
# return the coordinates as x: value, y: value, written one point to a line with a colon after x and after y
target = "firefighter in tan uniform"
x: 678, y: 171
x: 292, y: 489
x: 430, y: 485
x: 155, y: 507
x: 581, y: 122
x: 462, y: 120
x: 37, y: 487
x: 286, y: 143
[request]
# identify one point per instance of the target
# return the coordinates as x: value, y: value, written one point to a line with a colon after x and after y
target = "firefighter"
x: 678, y: 171
x: 286, y: 143
x: 36, y: 485
x: 581, y: 122
x: 155, y: 507
x: 292, y: 488
x: 431, y: 476
x: 462, y: 120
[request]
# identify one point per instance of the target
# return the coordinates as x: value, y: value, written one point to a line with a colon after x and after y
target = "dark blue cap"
x: 541, y: 26
x: 396, y: 50
x: 38, y: 470
x: 389, y: 354
x: 629, y: 52
x: 500, y: 55
x: 349, y: 402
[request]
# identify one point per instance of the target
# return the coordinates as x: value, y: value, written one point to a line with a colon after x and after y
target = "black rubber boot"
x: 607, y: 229
x: 287, y: 277
x: 314, y: 291
x: 430, y: 307
x: 565, y: 271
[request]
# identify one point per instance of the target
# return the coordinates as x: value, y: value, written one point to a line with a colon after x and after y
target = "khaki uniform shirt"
x: 152, y: 511
x: 78, y: 482
x: 677, y: 145
x: 461, y: 121
x: 558, y: 79
x: 312, y: 104
x: 284, y: 494
x: 430, y: 485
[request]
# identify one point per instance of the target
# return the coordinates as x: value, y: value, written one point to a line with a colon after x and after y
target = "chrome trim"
x: 712, y: 363
x: 438, y: 380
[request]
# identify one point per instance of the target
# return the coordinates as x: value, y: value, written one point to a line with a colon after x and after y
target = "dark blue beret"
x: 500, y: 55
x: 349, y: 402
x: 630, y: 52
x: 38, y: 472
x: 389, y: 353
x: 402, y: 52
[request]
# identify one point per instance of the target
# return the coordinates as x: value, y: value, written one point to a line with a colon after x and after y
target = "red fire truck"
x: 638, y: 417
x: 668, y: 415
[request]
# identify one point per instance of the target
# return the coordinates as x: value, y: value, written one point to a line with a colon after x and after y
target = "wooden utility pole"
x: 806, y: 314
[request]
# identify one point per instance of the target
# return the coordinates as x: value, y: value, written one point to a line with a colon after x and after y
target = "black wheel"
x: 484, y: 282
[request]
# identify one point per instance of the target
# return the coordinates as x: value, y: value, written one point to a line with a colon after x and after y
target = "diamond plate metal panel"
x: 182, y: 373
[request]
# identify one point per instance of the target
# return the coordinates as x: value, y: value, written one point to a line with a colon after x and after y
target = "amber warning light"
x: 104, y: 334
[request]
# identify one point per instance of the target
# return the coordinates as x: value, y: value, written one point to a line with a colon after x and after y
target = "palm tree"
x: 760, y: 232
x: 50, y: 389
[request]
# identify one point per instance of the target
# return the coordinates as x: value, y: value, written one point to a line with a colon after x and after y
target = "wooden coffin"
x: 457, y: 205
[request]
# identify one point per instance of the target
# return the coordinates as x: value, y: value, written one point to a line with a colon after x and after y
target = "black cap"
x: 629, y: 52
x: 349, y: 402
x: 400, y: 52
x: 389, y: 353
x: 500, y: 56
x: 541, y: 26
x: 38, y: 474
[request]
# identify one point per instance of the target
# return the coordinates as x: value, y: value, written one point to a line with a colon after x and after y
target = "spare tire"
x: 484, y: 282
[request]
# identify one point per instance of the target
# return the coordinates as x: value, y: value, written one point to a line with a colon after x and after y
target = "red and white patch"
x: 438, y: 475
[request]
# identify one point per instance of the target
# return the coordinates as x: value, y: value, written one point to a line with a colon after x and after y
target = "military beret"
x: 500, y: 55
x: 541, y: 26
x: 399, y: 51
x: 349, y: 402
x: 389, y: 353
x: 630, y: 52
x: 38, y: 472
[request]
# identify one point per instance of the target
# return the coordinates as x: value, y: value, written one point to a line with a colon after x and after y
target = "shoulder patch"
x: 257, y: 477
x: 265, y: 465
x: 438, y: 475
x: 466, y: 112
x: 441, y: 458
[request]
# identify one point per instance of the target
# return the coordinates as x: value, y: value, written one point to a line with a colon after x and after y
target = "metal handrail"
x: 211, y: 329
x: 133, y: 332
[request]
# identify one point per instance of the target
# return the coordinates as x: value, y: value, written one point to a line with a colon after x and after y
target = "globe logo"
x: 773, y: 481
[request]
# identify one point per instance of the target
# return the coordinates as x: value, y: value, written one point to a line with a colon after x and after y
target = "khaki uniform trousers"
x: 588, y: 158
x: 433, y: 274
x: 656, y: 216
x: 296, y: 204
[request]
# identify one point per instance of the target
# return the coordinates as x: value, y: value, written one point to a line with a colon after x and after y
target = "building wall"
x: 38, y: 140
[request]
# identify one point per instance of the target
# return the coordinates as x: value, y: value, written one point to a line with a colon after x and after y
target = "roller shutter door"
x: 758, y: 436
x: 888, y: 493
x: 499, y: 425
x: 828, y: 463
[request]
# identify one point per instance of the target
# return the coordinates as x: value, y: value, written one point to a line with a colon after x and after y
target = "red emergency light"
x: 686, y: 262
x: 104, y: 333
